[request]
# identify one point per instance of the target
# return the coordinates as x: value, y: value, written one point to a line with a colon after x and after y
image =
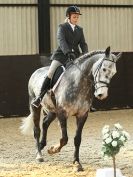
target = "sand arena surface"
x: 17, y: 152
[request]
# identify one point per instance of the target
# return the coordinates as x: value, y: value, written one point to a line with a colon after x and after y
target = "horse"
x: 72, y: 96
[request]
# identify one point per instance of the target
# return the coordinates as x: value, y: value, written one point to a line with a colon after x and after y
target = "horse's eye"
x: 104, y: 69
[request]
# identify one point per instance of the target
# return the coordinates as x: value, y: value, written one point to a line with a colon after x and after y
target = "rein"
x: 75, y: 64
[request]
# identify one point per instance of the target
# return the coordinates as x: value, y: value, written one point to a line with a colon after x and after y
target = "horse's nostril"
x: 100, y: 95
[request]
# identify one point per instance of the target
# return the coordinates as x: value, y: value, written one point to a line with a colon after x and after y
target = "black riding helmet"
x: 72, y: 10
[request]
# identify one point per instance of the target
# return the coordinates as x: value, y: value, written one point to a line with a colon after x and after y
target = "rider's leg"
x: 46, y: 84
x: 45, y: 87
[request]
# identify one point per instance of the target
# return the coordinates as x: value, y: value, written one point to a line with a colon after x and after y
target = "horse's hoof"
x: 78, y: 167
x: 53, y: 150
x: 40, y: 159
x: 50, y: 150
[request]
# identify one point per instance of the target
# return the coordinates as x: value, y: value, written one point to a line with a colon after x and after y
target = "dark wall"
x: 121, y: 87
x: 15, y: 72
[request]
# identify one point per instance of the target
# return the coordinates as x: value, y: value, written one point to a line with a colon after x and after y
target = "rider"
x: 70, y: 36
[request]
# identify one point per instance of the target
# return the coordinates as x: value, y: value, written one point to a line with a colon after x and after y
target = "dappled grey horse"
x: 72, y: 96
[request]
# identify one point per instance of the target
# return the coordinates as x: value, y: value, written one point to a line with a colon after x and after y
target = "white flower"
x: 114, y: 143
x: 126, y: 134
x: 115, y: 134
x: 118, y: 126
x: 105, y: 129
x: 108, y: 140
x: 106, y: 126
x: 105, y: 136
x: 122, y: 138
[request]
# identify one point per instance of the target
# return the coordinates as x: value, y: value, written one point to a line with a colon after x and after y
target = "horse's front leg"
x: 36, y: 120
x: 46, y: 122
x: 77, y: 140
x: 63, y: 141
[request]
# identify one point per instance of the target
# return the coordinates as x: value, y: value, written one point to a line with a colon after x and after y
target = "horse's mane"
x: 88, y: 55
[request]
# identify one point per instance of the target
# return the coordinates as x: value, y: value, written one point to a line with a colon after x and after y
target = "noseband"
x: 96, y: 74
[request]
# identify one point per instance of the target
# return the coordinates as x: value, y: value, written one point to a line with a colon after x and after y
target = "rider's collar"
x: 72, y: 26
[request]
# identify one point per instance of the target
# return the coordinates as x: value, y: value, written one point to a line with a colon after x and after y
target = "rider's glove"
x: 71, y: 56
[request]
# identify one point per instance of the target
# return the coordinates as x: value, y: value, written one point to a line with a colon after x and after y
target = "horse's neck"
x: 80, y: 72
x: 88, y: 63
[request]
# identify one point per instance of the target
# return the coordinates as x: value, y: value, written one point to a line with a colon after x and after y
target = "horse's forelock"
x: 113, y: 57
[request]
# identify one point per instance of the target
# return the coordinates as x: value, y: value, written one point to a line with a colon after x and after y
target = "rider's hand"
x: 71, y: 56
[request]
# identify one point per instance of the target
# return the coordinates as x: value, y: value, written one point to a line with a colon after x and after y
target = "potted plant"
x: 113, y: 140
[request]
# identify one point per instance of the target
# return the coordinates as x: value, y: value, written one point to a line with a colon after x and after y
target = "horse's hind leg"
x: 46, y: 122
x: 63, y: 141
x: 77, y: 140
x: 36, y: 120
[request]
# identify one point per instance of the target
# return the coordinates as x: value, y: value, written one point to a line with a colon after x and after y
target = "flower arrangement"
x: 113, y: 140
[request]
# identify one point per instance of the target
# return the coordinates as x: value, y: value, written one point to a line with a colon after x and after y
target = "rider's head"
x: 72, y: 10
x: 73, y: 13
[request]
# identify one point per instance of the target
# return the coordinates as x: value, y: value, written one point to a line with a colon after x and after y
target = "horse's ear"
x: 107, y: 52
x: 119, y: 55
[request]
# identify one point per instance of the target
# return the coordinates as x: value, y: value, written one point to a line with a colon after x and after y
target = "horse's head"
x: 103, y: 70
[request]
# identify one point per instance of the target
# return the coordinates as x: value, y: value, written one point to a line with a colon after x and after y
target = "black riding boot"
x: 44, y: 89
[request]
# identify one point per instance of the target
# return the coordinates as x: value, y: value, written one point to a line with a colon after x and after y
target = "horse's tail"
x: 27, y: 125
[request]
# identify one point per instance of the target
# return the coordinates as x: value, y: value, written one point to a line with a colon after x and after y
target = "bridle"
x: 96, y: 74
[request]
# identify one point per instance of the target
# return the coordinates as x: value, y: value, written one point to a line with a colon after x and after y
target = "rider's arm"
x: 62, y: 40
x: 83, y: 44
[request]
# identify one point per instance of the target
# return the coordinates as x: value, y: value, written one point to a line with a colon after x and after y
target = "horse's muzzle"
x: 101, y: 93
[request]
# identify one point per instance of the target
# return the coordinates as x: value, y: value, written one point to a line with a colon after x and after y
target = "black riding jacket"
x: 69, y: 41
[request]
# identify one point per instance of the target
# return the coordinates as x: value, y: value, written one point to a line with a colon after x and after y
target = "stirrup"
x: 36, y: 102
